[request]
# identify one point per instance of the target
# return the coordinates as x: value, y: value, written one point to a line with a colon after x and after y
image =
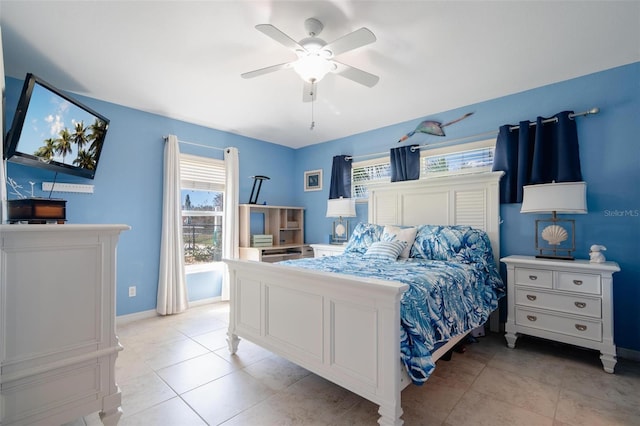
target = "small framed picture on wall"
x: 313, y: 180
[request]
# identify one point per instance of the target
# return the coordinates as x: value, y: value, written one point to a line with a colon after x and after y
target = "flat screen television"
x: 54, y: 131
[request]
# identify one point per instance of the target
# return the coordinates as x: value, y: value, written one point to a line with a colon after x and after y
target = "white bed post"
x: 389, y: 368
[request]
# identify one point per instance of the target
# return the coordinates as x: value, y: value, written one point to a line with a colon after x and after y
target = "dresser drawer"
x: 559, y: 302
x: 578, y: 327
x: 583, y: 283
x: 534, y: 277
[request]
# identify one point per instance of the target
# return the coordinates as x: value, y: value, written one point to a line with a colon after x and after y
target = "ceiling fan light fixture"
x: 312, y: 68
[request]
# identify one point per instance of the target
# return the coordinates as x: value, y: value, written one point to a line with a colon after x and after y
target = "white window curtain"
x: 172, y: 288
x: 231, y: 233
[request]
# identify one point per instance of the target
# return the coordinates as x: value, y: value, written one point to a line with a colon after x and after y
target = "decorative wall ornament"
x: 431, y: 127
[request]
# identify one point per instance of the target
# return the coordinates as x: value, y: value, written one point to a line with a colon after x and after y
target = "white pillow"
x: 385, y: 250
x: 396, y: 233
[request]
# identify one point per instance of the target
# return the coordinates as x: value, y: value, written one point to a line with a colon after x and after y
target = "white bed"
x: 345, y: 328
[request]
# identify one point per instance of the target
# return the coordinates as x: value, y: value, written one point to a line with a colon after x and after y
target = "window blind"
x: 201, y: 173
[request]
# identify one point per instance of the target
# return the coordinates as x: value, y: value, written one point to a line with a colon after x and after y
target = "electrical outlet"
x: 132, y: 291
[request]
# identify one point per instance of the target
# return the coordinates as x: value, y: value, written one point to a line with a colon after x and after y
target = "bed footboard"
x: 343, y: 328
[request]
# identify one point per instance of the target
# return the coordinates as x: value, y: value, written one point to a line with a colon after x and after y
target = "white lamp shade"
x: 561, y: 197
x: 341, y: 207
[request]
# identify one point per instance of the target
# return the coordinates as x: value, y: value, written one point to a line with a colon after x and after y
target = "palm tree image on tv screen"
x: 57, y: 130
x: 85, y: 141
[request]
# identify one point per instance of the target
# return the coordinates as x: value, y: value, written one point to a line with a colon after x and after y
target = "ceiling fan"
x: 316, y: 56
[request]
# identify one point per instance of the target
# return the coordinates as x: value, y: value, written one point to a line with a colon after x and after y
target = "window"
x: 364, y: 173
x: 471, y: 157
x: 202, y: 194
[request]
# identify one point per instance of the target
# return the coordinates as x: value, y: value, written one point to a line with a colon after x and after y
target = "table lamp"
x: 554, y: 198
x: 341, y: 208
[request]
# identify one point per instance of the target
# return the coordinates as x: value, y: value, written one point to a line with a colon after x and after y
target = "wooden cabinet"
x: 565, y: 301
x: 285, y: 225
x: 323, y: 250
x: 58, y: 344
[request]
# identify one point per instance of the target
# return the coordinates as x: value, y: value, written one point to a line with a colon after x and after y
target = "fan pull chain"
x: 312, y: 93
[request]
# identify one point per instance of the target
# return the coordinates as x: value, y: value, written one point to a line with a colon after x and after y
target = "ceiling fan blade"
x: 355, y: 74
x: 266, y: 70
x: 309, y: 92
x: 280, y: 37
x: 351, y: 41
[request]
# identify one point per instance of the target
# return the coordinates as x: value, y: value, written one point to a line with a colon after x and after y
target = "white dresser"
x: 565, y: 301
x: 322, y: 250
x: 58, y: 345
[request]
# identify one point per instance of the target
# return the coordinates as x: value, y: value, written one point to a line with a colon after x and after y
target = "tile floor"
x: 177, y: 371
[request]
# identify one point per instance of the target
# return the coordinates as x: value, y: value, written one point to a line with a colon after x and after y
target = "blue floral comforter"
x: 444, y: 299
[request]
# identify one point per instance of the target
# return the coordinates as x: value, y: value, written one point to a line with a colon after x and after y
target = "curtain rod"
x: 430, y: 145
x: 196, y: 144
x: 594, y: 110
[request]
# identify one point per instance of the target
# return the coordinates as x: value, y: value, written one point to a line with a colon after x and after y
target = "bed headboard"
x: 472, y: 199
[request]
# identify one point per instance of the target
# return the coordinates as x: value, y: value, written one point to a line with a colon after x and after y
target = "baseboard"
x: 205, y: 301
x: 136, y: 316
x: 628, y: 354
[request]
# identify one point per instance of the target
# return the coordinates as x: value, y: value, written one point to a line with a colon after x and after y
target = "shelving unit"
x: 284, y: 224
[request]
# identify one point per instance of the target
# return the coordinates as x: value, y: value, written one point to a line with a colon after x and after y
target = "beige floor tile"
x: 476, y: 409
x: 276, y: 373
x: 247, y: 354
x: 173, y: 412
x: 431, y: 403
x: 542, y: 367
x: 579, y: 410
x: 460, y: 372
x: 620, y: 388
x: 213, y: 340
x: 194, y: 372
x: 520, y: 391
x: 165, y: 354
x: 142, y: 392
x: 222, y: 399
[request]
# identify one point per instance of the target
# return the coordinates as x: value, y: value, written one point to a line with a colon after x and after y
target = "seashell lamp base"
x: 555, y: 238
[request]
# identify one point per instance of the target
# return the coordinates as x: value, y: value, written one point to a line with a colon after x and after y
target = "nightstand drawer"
x: 559, y: 302
x: 534, y: 277
x: 583, y: 283
x: 577, y: 327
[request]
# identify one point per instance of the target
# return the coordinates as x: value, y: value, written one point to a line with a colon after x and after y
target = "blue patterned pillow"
x: 436, y: 242
x: 385, y: 250
x: 362, y: 237
x: 476, y: 248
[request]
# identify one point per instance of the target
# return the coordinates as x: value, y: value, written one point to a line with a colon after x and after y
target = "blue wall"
x: 610, y: 161
x: 129, y: 179
x: 128, y: 186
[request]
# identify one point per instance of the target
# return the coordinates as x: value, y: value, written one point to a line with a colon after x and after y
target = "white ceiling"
x: 183, y: 59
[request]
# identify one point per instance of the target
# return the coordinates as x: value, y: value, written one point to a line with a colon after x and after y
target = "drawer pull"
x: 577, y: 282
x: 581, y: 327
x: 531, y: 297
x: 580, y: 304
x: 533, y: 277
x: 533, y: 318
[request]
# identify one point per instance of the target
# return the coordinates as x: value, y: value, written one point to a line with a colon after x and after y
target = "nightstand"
x: 564, y: 301
x: 322, y: 250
